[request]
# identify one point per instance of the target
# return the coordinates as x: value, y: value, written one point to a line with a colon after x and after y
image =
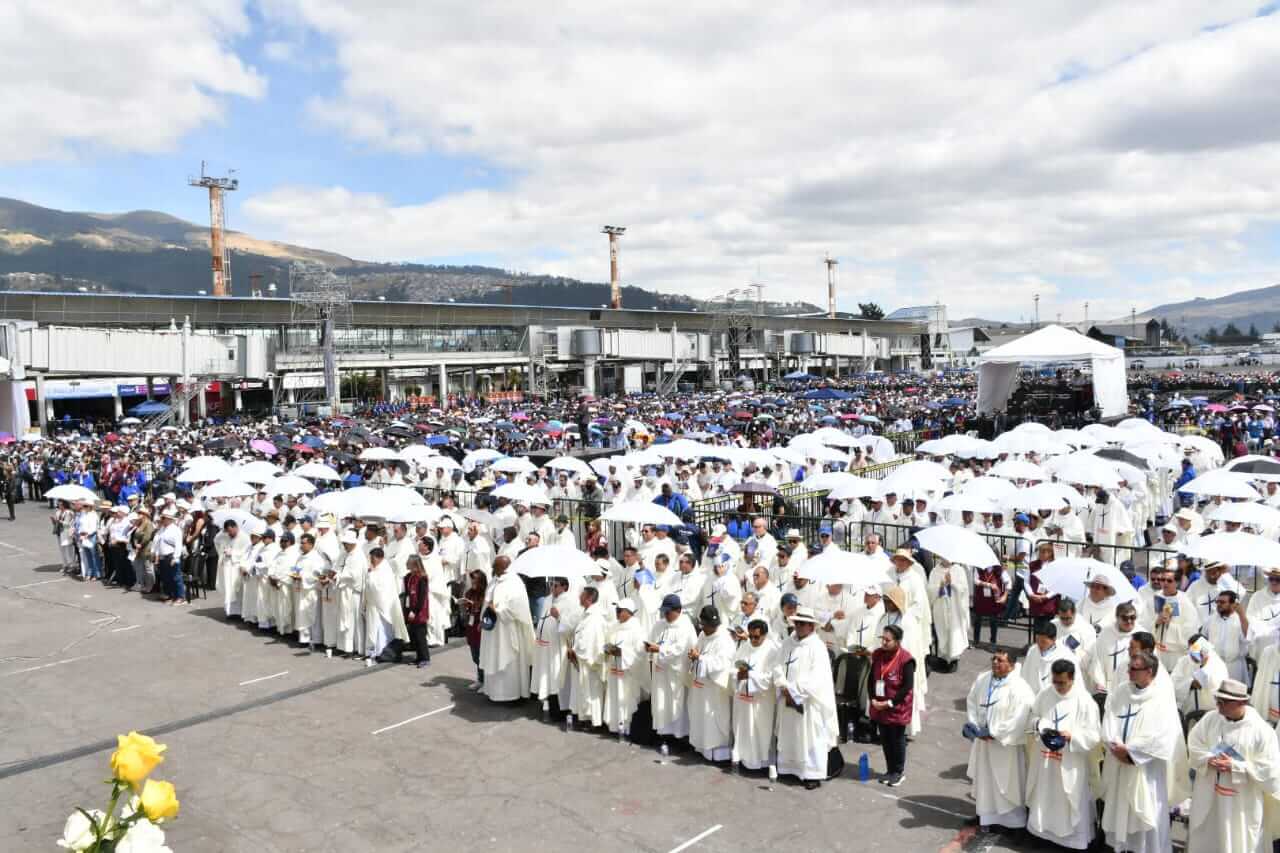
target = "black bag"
x: 835, y: 762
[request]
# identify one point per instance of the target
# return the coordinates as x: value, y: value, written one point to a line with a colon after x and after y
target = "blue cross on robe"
x: 1046, y: 671
x: 1124, y: 735
x: 862, y: 628
x: 1209, y: 602
x: 1057, y: 719
x: 1121, y: 649
x: 791, y: 660
x: 992, y: 687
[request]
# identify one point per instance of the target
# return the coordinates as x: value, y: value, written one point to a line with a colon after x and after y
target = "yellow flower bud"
x: 159, y: 800
x: 135, y: 757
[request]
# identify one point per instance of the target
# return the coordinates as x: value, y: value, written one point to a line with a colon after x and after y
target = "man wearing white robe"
x: 440, y: 615
x: 1263, y: 614
x: 383, y: 615
x: 1204, y: 591
x: 1236, y: 759
x: 834, y: 605
x: 350, y: 606
x: 232, y: 546
x: 1227, y: 629
x: 506, y: 650
x: 669, y: 643
x: 1171, y: 613
x: 1107, y: 666
x: 310, y: 568
x: 910, y: 576
x: 997, y: 708
x: 1266, y: 680
x: 806, y: 720
x: 450, y: 549
x: 628, y: 668
x: 281, y: 579
x: 1197, y: 677
x: 723, y: 590
x: 711, y: 683
x: 1060, y: 803
x: 754, y: 702
x: 1037, y: 666
x: 1099, y: 606
x: 548, y: 644
x: 586, y: 660
x: 1141, y: 735
x: 479, y: 551
x: 949, y: 597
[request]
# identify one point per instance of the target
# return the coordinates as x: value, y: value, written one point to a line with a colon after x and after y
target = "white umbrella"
x: 856, y: 487
x: 922, y: 470
x: 641, y: 512
x: 479, y: 457
x: 1235, y: 549
x: 956, y: 444
x: 259, y: 471
x: 289, y: 485
x: 602, y: 466
x: 316, y: 471
x: 1090, y: 471
x: 239, y: 516
x: 1049, y: 496
x: 444, y: 463
x: 329, y: 502
x: 684, y: 448
x: 844, y: 567
x: 829, y: 481
x: 572, y: 464
x: 71, y: 492
x: 228, y: 489
x: 1019, y: 469
x: 129, y: 421
x: 419, y: 453
x: 835, y: 437
x: 522, y: 494
x: 964, y: 502
x: 1245, y: 512
x: 399, y: 494
x: 415, y: 513
x: 997, y: 490
x: 367, y: 502
x: 379, y: 454
x: 1071, y: 576
x: 205, y: 470
x: 1020, y: 442
x: 555, y: 561
x: 957, y: 545
x: 514, y: 465
x: 1222, y: 483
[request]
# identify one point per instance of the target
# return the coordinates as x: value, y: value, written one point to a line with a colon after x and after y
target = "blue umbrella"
x: 799, y: 376
x: 313, y: 441
x: 437, y: 440
x: 716, y: 429
x: 702, y: 419
x: 826, y: 394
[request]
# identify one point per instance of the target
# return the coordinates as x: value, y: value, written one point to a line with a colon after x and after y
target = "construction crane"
x: 614, y: 232
x: 831, y: 285
x: 218, y: 226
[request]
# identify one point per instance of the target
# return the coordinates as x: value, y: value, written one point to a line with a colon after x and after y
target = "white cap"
x: 350, y: 537
x: 625, y: 604
x: 168, y: 513
x: 446, y: 523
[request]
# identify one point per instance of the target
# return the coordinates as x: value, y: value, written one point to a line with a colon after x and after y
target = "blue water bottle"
x: 864, y: 768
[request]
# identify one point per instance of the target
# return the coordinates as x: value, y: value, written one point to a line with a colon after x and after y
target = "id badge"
x: 986, y: 592
x: 879, y: 688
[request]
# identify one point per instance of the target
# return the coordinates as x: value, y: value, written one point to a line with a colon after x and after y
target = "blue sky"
x: 1123, y: 154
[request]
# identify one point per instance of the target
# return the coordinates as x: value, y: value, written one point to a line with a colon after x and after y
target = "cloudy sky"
x: 1124, y: 154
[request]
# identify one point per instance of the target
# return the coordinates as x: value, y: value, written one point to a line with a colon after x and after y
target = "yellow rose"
x: 159, y: 800
x: 135, y: 757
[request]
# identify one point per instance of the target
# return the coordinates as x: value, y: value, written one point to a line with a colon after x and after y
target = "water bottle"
x: 664, y: 752
x: 864, y: 768
x: 568, y: 722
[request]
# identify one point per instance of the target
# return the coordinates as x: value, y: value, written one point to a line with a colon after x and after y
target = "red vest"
x: 888, y: 668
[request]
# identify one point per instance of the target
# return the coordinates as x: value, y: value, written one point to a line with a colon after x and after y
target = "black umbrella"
x: 751, y: 488
x: 225, y: 443
x: 1123, y: 456
x: 1257, y: 466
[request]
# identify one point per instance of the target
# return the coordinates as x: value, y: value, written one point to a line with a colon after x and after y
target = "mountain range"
x: 1259, y: 308
x: 145, y: 251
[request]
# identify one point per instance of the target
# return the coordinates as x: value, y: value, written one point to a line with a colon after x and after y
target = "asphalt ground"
x: 275, y: 749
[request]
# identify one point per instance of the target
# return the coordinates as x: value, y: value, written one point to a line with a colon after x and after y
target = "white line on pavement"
x: 16, y: 548
x: 47, y: 665
x: 125, y: 628
x: 912, y: 802
x: 697, y: 838
x: 104, y: 619
x: 37, y: 583
x: 264, y: 678
x: 411, y: 719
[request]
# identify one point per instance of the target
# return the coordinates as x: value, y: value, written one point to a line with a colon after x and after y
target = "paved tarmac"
x: 275, y: 749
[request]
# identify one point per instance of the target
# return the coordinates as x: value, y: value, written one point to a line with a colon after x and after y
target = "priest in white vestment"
x: 1037, y: 666
x: 232, y: 546
x: 949, y: 598
x: 997, y: 709
x: 1171, y: 613
x: 1228, y: 629
x: 669, y: 643
x: 1141, y: 736
x: 1099, y: 606
x: 628, y: 675
x: 586, y: 660
x: 383, y: 615
x: 1197, y: 677
x: 1266, y: 680
x: 440, y: 615
x: 311, y: 567
x: 1236, y: 759
x: 711, y: 683
x: 549, y: 646
x: 282, y: 584
x: 808, y: 728
x: 506, y: 649
x: 1108, y: 664
x: 1263, y: 614
x: 350, y: 606
x: 1060, y: 803
x: 754, y: 702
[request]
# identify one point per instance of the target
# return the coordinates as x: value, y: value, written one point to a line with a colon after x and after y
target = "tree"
x: 1211, y: 336
x: 1275, y: 327
x: 870, y: 311
x: 1231, y: 330
x: 1253, y: 332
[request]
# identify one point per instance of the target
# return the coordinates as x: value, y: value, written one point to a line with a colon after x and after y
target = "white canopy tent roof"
x: 998, y: 368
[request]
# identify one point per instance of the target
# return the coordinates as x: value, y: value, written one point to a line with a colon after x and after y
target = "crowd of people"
x: 618, y: 588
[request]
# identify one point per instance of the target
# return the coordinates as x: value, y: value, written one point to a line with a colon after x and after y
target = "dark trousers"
x: 122, y: 567
x: 894, y: 741
x: 418, y: 636
x: 170, y: 576
x: 978, y: 619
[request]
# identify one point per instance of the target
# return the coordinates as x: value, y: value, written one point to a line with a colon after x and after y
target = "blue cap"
x: 645, y: 576
x: 671, y: 602
x: 1023, y: 517
x: 826, y: 528
x: 789, y: 598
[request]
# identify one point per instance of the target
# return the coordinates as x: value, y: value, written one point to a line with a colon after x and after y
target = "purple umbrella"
x: 263, y: 446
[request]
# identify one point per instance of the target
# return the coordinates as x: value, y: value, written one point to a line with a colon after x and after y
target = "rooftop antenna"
x: 614, y: 232
x: 218, y: 225
x: 831, y: 285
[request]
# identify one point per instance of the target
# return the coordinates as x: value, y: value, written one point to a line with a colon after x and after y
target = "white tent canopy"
x: 998, y: 368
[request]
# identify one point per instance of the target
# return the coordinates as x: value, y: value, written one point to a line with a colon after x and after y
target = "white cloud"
x: 114, y: 74
x: 933, y: 147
